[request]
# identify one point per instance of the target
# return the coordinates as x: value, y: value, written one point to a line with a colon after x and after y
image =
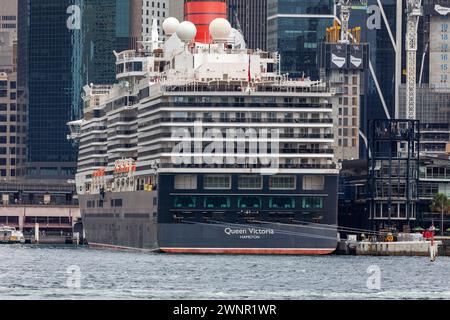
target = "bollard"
x: 36, y: 232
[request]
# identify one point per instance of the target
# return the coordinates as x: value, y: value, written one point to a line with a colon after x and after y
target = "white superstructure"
x: 188, y: 107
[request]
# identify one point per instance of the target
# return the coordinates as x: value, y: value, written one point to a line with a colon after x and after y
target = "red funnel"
x: 202, y: 13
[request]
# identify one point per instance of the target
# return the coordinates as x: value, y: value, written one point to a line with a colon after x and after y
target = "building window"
x: 313, y: 183
x: 186, y: 182
x: 250, y: 182
x: 312, y: 203
x: 118, y: 202
x: 217, y: 182
x: 283, y: 183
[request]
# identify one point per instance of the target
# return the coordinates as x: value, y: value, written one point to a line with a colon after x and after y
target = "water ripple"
x: 33, y: 272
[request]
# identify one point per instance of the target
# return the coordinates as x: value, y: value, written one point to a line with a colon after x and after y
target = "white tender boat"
x: 11, y: 235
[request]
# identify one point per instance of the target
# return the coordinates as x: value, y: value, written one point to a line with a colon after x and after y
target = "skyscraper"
x: 46, y: 83
x: 343, y: 65
x: 294, y: 29
x: 176, y: 9
x: 12, y: 149
x: 8, y: 34
x: 382, y: 58
x: 433, y: 75
x: 251, y: 17
x: 105, y: 28
x: 155, y: 9
x: 135, y: 20
x: 63, y: 45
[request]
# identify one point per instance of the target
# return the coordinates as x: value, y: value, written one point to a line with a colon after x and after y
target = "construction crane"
x: 414, y: 12
x: 346, y: 9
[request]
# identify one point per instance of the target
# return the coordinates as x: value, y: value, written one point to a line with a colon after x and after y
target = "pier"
x: 400, y: 248
x: 45, y: 224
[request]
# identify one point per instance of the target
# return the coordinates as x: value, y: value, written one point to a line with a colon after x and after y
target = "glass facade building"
x: 432, y: 103
x: 251, y: 15
x: 382, y: 57
x: 64, y: 45
x: 294, y: 30
x: 47, y: 84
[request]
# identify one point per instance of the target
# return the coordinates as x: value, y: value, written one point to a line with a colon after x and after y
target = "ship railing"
x: 269, y: 87
x: 237, y: 102
x: 246, y: 120
x: 282, y: 151
x: 168, y: 134
x: 129, y: 55
x: 36, y: 204
x: 246, y: 166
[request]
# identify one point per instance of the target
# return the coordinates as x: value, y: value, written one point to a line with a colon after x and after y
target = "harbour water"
x: 31, y: 272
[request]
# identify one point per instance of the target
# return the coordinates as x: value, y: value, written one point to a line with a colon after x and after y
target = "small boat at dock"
x: 10, y: 235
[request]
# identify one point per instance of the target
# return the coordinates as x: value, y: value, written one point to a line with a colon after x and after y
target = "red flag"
x: 249, y: 67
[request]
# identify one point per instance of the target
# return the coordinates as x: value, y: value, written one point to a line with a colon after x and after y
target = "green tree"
x: 440, y: 204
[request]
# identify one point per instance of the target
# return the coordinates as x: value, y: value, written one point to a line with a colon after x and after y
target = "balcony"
x: 248, y: 166
x: 245, y: 120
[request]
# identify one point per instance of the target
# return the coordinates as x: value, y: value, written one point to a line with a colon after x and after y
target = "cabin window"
x: 217, y: 182
x: 249, y: 202
x: 185, y: 182
x: 314, y: 183
x: 283, y: 183
x: 217, y: 203
x: 250, y: 182
x: 282, y: 203
x: 116, y: 203
x: 312, y: 203
x: 185, y: 202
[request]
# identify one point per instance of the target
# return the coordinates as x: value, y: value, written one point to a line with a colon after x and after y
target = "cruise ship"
x: 204, y: 147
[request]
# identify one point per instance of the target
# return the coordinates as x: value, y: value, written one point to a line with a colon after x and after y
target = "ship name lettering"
x: 254, y: 231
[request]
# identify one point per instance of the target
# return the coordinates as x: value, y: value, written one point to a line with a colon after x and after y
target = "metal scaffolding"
x: 393, y: 162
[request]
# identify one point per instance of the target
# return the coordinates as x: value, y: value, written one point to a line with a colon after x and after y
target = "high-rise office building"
x: 12, y: 137
x: 382, y: 58
x: 63, y: 45
x: 105, y: 27
x: 294, y: 29
x: 343, y: 65
x: 250, y: 16
x: 176, y: 9
x: 8, y: 35
x: 135, y: 20
x: 433, y: 74
x: 153, y: 9
x: 49, y: 52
